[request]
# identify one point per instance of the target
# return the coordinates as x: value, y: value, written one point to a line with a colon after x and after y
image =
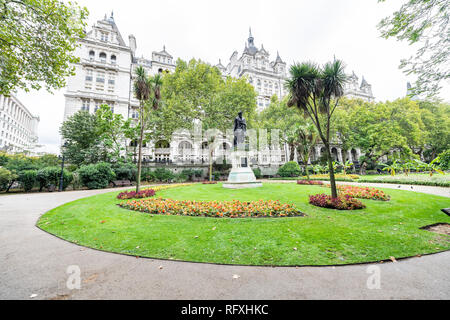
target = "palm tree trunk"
x: 141, y: 138
x: 331, y: 169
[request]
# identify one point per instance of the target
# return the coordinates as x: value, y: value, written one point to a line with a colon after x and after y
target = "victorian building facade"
x: 105, y: 74
x: 18, y: 126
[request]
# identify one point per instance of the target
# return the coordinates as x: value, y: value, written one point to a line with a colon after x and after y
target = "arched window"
x: 91, y: 55
x: 162, y: 144
x: 103, y: 57
x: 160, y: 70
x: 113, y: 59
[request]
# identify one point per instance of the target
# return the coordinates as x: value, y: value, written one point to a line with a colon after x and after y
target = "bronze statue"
x: 240, y: 128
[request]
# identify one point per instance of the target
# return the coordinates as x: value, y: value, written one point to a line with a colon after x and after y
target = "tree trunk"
x: 141, y: 138
x: 331, y: 169
x: 292, y: 152
x: 210, y: 165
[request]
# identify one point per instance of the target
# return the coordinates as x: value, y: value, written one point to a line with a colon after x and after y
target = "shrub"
x: 257, y: 172
x: 96, y: 176
x: 127, y: 171
x: 445, y: 160
x: 215, y: 209
x: 290, y: 169
x: 146, y: 193
x: 181, y: 177
x: 342, y: 202
x: 216, y: 175
x: 163, y: 175
x: 51, y: 176
x: 27, y: 179
x: 148, y: 175
x: 6, y: 178
x: 310, y: 182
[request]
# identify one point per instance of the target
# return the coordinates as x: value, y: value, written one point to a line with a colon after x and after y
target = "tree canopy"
x: 37, y: 40
x: 426, y: 23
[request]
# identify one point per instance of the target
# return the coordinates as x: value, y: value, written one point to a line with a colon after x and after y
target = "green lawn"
x: 324, y: 237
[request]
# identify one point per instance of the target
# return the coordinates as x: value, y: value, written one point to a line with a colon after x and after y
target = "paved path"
x: 34, y: 262
x: 440, y: 191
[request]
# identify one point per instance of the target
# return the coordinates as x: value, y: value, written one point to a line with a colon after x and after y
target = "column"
x: 339, y: 154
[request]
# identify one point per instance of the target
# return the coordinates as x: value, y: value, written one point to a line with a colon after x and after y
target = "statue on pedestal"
x: 240, y: 129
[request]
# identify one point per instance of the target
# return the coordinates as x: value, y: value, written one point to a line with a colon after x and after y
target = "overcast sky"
x: 211, y: 30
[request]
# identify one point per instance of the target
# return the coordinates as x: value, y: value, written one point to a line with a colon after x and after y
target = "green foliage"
x: 257, y: 172
x: 96, y: 176
x: 290, y: 169
x: 125, y: 171
x: 445, y: 160
x: 163, y: 175
x: 148, y: 175
x: 51, y: 176
x: 37, y: 40
x: 6, y: 178
x: 423, y: 22
x: 27, y: 179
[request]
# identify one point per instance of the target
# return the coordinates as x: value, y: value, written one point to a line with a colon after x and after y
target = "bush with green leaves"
x: 6, y: 178
x: 125, y: 171
x: 27, y: 179
x: 257, y: 172
x: 51, y: 176
x: 444, y: 160
x: 148, y: 175
x: 290, y: 169
x: 96, y: 176
x: 163, y: 175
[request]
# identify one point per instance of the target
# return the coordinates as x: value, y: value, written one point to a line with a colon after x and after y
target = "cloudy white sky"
x: 211, y: 30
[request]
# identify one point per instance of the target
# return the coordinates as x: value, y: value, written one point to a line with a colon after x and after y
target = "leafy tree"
x: 37, y: 40
x: 196, y: 90
x: 27, y: 179
x: 445, y: 160
x: 111, y: 133
x: 6, y: 178
x: 279, y: 116
x: 316, y: 92
x: 80, y: 133
x: 423, y: 22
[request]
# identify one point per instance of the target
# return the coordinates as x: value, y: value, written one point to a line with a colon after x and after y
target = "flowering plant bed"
x: 147, y: 193
x: 209, y: 182
x: 310, y: 182
x: 363, y: 192
x: 216, y: 209
x: 342, y: 202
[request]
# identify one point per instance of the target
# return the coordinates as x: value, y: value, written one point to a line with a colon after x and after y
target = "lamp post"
x: 61, y: 178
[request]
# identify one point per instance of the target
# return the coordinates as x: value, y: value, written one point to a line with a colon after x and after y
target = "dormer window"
x: 103, y: 57
x: 103, y: 36
x: 113, y: 59
x: 91, y: 55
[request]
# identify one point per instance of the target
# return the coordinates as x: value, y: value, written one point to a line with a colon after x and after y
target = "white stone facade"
x: 18, y: 127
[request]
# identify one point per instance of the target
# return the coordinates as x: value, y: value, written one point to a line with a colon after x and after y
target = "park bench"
x: 122, y: 183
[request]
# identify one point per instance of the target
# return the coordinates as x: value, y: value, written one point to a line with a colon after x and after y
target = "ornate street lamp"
x: 61, y: 178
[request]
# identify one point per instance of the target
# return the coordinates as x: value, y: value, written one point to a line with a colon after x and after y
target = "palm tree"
x: 316, y: 91
x: 347, y: 165
x: 142, y: 90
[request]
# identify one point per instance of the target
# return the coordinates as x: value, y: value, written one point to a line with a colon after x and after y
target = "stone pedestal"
x: 241, y: 175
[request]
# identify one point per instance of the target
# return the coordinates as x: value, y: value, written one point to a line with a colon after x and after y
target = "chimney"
x: 132, y: 43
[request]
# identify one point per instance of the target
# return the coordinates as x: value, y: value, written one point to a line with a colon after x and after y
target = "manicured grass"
x: 324, y: 237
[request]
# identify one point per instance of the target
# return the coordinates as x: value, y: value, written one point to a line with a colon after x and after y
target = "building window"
x: 100, y: 77
x: 89, y: 75
x: 103, y: 57
x: 91, y: 55
x: 103, y: 36
x: 113, y: 59
x: 85, y: 105
x: 97, y: 105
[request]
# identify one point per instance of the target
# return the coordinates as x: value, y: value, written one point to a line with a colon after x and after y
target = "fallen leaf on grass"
x: 103, y: 221
x: 295, y: 249
x: 393, y: 259
x: 214, y: 228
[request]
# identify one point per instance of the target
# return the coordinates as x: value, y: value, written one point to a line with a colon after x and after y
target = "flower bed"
x: 363, y: 192
x: 342, y: 202
x: 209, y: 182
x: 147, y: 193
x: 310, y: 182
x: 216, y: 209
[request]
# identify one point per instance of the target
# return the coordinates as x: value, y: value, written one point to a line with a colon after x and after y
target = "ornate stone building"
x: 105, y: 75
x: 18, y: 126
